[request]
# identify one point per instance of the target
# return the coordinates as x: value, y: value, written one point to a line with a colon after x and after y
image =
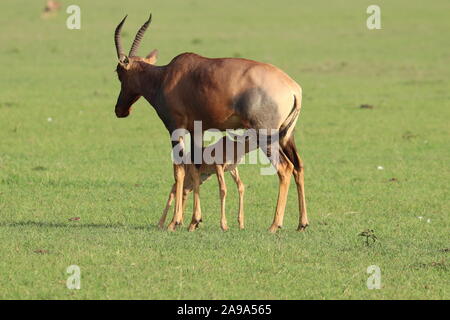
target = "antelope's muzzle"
x: 122, y: 112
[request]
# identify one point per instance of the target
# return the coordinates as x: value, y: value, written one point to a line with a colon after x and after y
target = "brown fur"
x: 223, y: 93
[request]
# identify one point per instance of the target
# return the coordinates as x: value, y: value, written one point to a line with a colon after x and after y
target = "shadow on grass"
x: 40, y: 224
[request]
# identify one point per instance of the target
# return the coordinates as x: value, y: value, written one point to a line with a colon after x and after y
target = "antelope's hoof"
x: 224, y: 227
x: 172, y: 226
x: 302, y: 227
x: 274, y: 228
x: 192, y: 227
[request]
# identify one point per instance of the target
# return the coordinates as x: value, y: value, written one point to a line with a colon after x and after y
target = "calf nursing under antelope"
x: 225, y: 162
x: 222, y: 93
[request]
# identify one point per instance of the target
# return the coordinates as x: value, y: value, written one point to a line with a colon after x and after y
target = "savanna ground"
x: 64, y: 154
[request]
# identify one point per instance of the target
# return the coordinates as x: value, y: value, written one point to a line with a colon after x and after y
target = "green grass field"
x: 115, y: 174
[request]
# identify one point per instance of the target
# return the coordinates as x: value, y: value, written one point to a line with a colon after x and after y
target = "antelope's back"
x: 231, y: 93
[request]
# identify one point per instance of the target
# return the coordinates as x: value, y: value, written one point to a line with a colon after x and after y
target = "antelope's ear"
x: 124, y: 62
x: 152, y: 57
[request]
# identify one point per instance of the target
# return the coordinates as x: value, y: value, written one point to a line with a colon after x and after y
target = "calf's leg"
x: 223, y: 195
x: 240, y: 186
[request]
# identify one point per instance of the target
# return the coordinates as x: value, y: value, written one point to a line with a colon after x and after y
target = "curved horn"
x: 138, y: 38
x: 119, y: 49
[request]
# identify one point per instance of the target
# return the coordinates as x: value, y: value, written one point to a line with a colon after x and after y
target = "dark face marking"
x: 128, y: 94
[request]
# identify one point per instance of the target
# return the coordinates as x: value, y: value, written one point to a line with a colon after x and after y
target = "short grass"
x: 115, y: 174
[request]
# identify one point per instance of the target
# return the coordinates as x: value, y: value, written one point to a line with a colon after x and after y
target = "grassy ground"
x: 115, y: 174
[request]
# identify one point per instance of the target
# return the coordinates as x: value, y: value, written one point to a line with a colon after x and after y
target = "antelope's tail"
x: 287, y: 127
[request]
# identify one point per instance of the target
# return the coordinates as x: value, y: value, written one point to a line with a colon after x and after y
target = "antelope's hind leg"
x: 292, y: 154
x: 284, y: 169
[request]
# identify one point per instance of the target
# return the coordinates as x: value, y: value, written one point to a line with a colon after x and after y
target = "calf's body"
x: 227, y: 161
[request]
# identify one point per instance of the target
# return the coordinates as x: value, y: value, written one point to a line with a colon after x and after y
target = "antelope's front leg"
x: 169, y: 203
x: 223, y: 194
x: 197, y: 214
x: 179, y: 173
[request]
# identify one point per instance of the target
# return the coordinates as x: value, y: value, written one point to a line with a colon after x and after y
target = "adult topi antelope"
x: 222, y: 93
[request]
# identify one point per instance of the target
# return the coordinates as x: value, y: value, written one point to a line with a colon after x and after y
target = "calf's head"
x: 129, y: 68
